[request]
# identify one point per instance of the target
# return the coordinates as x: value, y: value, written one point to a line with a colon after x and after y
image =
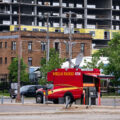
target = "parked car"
x: 27, y: 90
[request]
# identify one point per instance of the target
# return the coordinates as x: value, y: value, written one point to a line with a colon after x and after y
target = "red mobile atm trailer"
x: 72, y: 83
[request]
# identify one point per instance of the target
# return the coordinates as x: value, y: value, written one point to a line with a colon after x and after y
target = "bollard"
x: 22, y: 99
x: 99, y: 100
x: 84, y: 98
x: 11, y: 99
x: 2, y: 100
x: 89, y: 101
x: 44, y: 99
x: 114, y: 103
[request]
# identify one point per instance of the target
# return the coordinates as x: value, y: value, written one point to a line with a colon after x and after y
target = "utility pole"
x: 18, y: 98
x: 70, y: 40
x: 47, y: 38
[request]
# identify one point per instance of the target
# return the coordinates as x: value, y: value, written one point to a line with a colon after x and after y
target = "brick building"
x: 33, y: 46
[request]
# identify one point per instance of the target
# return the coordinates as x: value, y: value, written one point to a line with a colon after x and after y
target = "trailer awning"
x: 100, y: 76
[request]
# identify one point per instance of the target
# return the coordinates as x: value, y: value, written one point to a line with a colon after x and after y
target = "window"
x: 1, y: 60
x: 30, y: 46
x: 82, y: 47
x: 92, y: 33
x: 24, y: 29
x: 1, y: 44
x: 57, y: 46
x: 13, y: 46
x: 16, y: 29
x: 30, y: 61
x: 5, y: 60
x: 35, y: 29
x: 43, y: 46
x: 106, y: 35
x: 5, y: 44
x: 42, y: 30
x: 57, y: 30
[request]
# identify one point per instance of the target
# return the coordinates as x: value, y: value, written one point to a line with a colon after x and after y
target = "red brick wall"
x: 36, y: 53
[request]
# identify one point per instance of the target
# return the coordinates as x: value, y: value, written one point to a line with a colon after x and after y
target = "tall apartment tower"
x: 99, y: 17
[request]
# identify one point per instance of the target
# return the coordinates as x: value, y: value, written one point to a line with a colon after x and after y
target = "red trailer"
x: 73, y: 83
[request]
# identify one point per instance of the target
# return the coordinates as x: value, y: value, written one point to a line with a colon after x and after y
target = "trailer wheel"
x: 39, y: 98
x: 70, y: 97
x: 55, y: 101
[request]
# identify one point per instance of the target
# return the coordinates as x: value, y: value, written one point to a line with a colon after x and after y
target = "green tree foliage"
x: 53, y: 63
x: 113, y: 54
x: 13, y: 71
x: 94, y: 62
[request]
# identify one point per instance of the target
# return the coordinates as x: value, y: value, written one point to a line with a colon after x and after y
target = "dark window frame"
x: 1, y: 44
x: 82, y: 48
x: 30, y: 45
x: 5, y: 60
x: 43, y: 46
x: 30, y: 61
x: 1, y: 60
x: 13, y: 45
x: 5, y: 44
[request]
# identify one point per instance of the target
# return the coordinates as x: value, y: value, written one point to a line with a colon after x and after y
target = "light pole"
x: 18, y: 98
x: 47, y: 37
x: 70, y: 37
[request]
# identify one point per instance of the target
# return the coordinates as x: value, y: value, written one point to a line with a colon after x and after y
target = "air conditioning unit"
x: 15, y: 12
x: 40, y: 3
x: 55, y: 14
x: 55, y: 4
x: 71, y: 5
x: 32, y: 13
x: 32, y: 23
x: 40, y: 23
x: 15, y: 1
x: 79, y: 5
x: 39, y: 13
x: 64, y: 4
x: 15, y: 22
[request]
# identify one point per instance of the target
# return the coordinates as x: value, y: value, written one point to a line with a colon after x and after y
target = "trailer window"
x: 87, y: 79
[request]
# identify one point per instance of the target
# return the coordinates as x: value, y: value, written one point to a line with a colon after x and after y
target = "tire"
x: 55, y: 101
x: 39, y: 98
x: 70, y: 97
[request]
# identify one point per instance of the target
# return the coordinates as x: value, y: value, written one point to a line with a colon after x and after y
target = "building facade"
x: 98, y: 17
x: 34, y: 46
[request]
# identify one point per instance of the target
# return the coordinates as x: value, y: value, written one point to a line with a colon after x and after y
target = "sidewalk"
x: 37, y: 109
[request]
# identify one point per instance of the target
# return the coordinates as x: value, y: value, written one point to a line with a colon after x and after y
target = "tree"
x: 113, y: 54
x: 94, y: 63
x: 53, y: 63
x: 13, y: 71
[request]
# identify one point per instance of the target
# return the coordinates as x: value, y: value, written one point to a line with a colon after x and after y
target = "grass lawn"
x: 4, y: 93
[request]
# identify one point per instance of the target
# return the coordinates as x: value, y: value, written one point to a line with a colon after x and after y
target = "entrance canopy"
x: 100, y: 76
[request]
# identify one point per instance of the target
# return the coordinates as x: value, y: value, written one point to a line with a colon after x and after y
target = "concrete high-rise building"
x: 99, y: 17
